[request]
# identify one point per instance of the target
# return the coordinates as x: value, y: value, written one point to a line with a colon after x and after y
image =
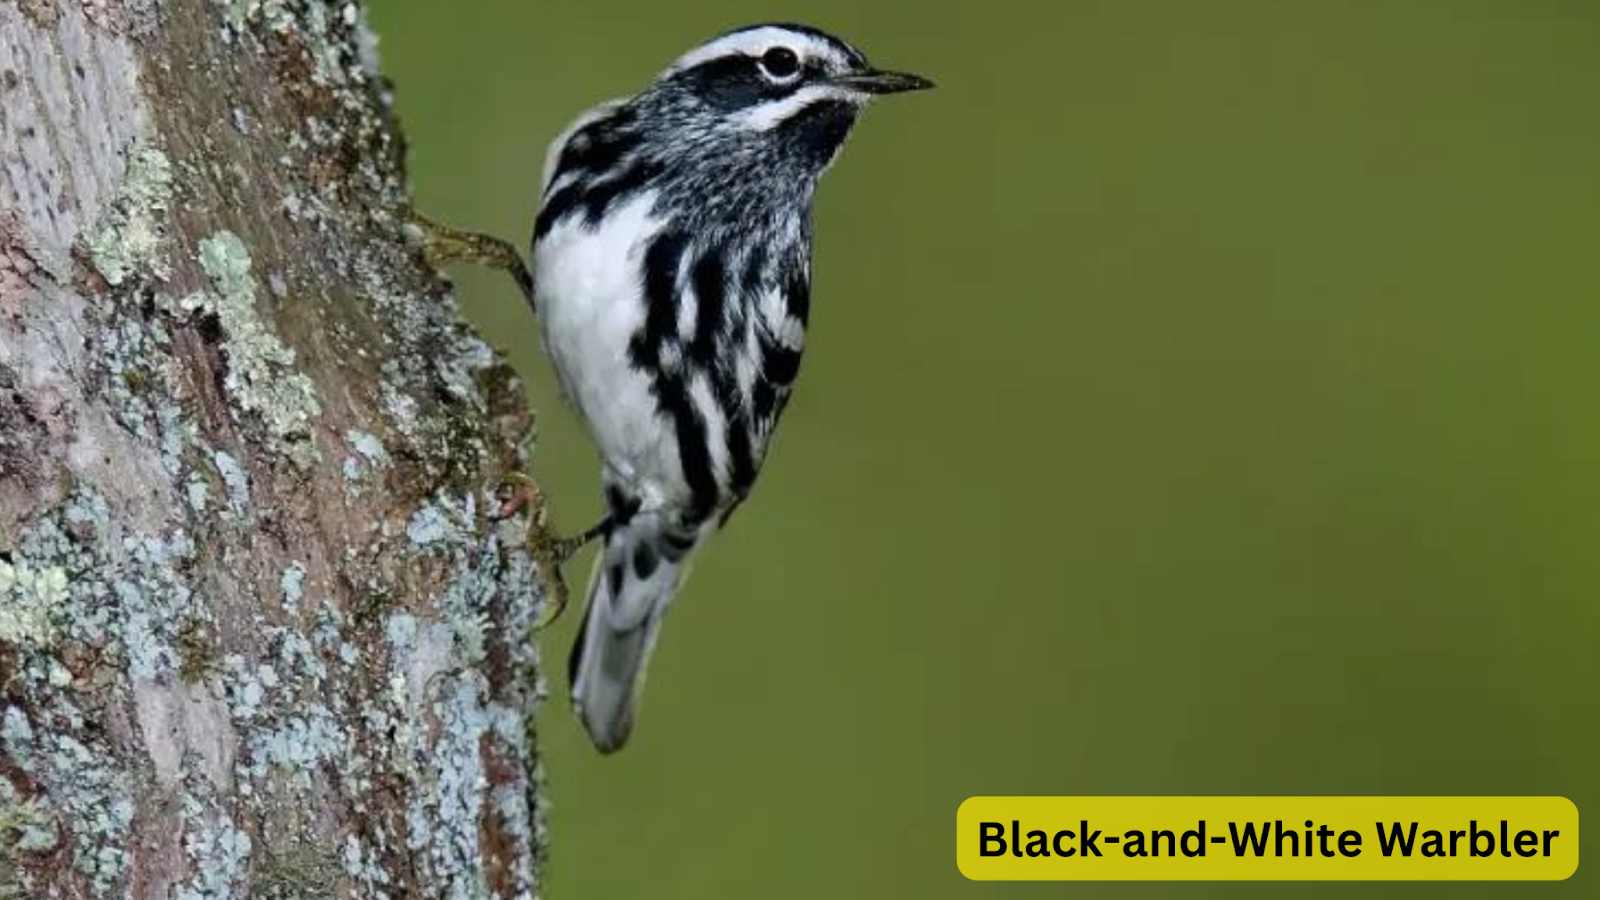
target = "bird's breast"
x: 589, y: 285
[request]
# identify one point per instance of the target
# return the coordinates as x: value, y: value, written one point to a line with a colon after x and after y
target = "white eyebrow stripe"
x: 755, y: 42
x: 766, y: 116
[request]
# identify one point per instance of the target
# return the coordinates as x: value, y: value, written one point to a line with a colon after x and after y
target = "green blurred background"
x: 1202, y: 398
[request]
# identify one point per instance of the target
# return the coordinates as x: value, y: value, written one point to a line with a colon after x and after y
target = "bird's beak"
x: 873, y: 81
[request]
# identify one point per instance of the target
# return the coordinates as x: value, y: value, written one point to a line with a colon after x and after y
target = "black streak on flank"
x: 741, y: 462
x: 725, y: 389
x: 797, y: 295
x: 765, y: 399
x: 779, y: 364
x: 710, y: 292
x: 661, y: 264
x: 693, y: 453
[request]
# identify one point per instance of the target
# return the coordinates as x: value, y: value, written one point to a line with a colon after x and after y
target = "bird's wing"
x: 552, y: 155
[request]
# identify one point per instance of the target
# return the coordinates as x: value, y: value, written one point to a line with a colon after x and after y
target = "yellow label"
x: 1267, y: 838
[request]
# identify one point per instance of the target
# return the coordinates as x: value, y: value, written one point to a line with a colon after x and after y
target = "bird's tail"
x: 630, y: 589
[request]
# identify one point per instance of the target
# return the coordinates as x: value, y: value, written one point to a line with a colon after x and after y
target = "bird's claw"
x: 516, y: 492
x: 549, y: 550
x: 442, y: 244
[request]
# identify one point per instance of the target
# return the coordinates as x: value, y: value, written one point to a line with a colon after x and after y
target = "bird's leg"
x: 443, y: 244
x: 548, y: 549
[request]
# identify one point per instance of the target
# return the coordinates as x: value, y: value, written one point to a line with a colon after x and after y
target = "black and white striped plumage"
x: 672, y: 260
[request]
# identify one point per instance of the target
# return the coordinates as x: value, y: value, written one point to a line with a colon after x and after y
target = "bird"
x: 671, y: 279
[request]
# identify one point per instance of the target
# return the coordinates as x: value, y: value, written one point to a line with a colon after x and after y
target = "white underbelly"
x: 589, y: 287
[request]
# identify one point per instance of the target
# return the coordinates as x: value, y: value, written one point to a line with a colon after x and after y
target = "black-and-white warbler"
x: 672, y: 267
x: 671, y: 276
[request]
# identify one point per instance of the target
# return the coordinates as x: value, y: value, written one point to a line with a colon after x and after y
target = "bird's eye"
x: 780, y: 63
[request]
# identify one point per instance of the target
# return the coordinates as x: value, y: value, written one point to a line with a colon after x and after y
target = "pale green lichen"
x: 292, y: 587
x: 29, y: 600
x: 199, y: 495
x: 16, y: 736
x: 153, y: 605
x: 129, y: 238
x: 304, y: 710
x: 446, y: 713
x: 401, y: 405
x: 316, y: 24
x: 25, y: 827
x: 326, y: 53
x: 370, y: 455
x: 297, y: 746
x: 444, y: 817
x: 366, y: 42
x: 369, y: 447
x: 428, y: 526
x: 275, y: 14
x: 126, y: 597
x: 221, y: 856
x: 234, y: 479
x: 362, y: 867
x: 261, y: 369
x: 246, y: 686
x: 24, y: 823
x: 142, y: 380
x: 97, y: 798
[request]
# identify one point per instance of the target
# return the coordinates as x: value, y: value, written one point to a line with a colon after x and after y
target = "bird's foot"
x: 442, y: 244
x: 548, y: 549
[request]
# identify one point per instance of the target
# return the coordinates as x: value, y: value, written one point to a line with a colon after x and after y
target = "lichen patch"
x: 262, y: 376
x: 130, y: 237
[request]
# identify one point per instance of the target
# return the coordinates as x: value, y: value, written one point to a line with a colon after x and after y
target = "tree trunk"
x: 258, y: 637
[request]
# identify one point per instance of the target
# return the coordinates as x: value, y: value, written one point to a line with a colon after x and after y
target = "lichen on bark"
x: 259, y: 635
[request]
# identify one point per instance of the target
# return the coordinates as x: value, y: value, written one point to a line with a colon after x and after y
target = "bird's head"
x: 789, y: 89
x: 733, y: 136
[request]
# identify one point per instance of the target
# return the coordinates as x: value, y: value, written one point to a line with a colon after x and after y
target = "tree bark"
x: 258, y: 634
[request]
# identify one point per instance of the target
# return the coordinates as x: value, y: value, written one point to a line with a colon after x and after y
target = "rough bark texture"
x: 257, y: 637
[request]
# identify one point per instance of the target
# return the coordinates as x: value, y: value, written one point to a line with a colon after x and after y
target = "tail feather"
x: 633, y: 583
